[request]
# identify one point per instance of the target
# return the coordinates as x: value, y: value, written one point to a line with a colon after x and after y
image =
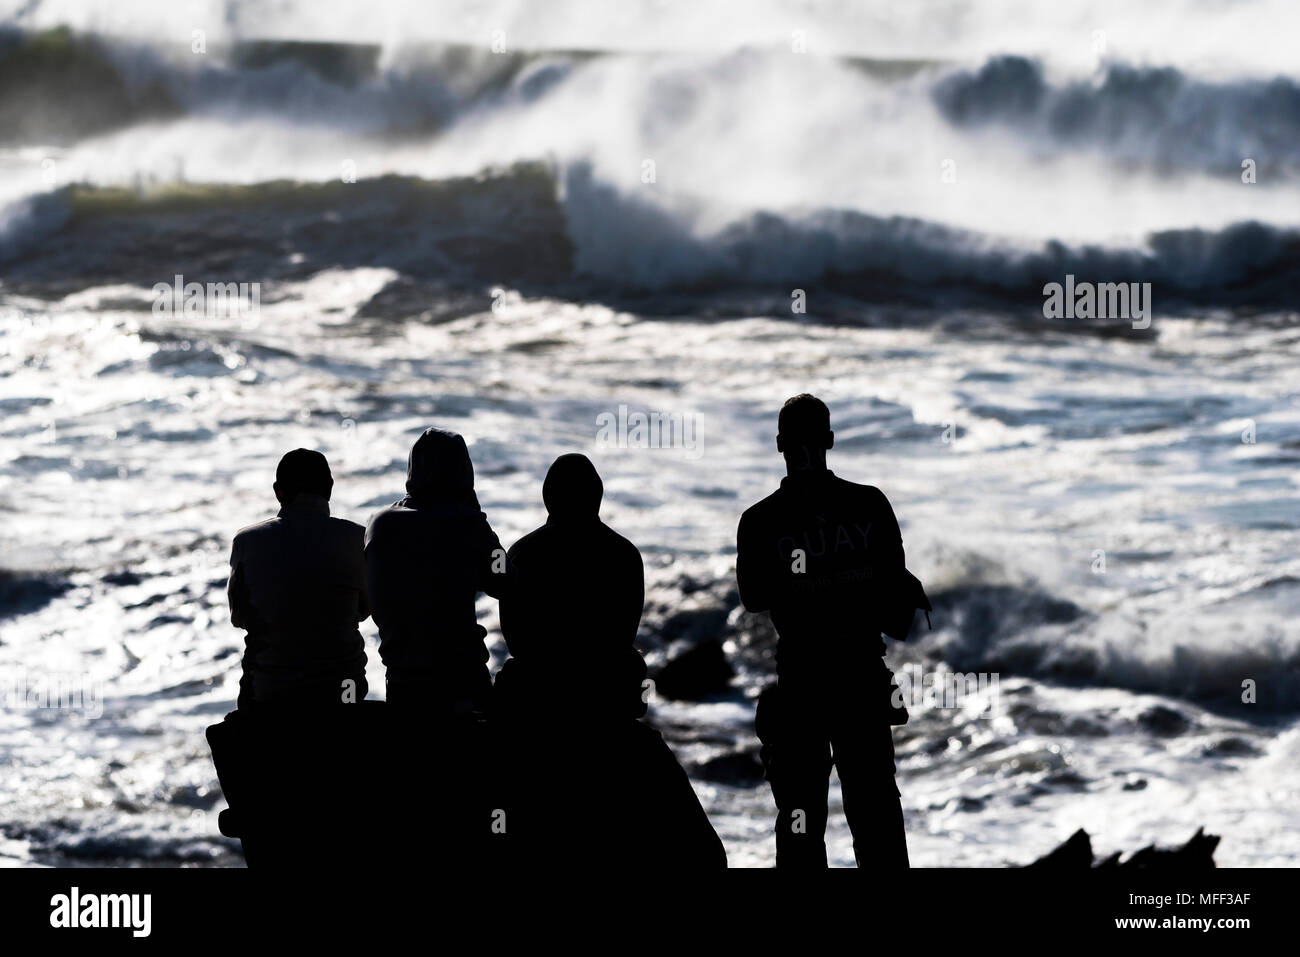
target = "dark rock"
x: 1230, y: 747
x: 1076, y: 854
x: 739, y: 768
x: 21, y: 593
x: 1164, y: 721
x: 1066, y: 778
x: 125, y: 577
x: 696, y: 673
x: 1196, y: 855
x: 695, y: 626
x: 1085, y: 728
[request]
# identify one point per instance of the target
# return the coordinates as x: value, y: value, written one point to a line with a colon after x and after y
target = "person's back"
x: 812, y: 554
x: 823, y: 555
x: 568, y: 699
x: 297, y: 585
x: 571, y: 615
x: 427, y: 557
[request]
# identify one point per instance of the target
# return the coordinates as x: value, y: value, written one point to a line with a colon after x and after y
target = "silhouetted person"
x: 571, y: 617
x: 584, y: 780
x: 427, y: 558
x: 821, y: 555
x: 297, y: 586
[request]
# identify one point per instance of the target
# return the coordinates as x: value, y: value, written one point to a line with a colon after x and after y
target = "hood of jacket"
x: 573, y: 489
x: 439, y: 469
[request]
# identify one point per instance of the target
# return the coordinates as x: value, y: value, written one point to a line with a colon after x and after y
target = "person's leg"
x: 797, y: 760
x: 864, y: 758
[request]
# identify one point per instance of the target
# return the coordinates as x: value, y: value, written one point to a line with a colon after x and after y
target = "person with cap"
x: 297, y: 587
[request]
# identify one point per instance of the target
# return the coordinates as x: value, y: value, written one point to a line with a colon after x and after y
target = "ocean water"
x: 623, y: 211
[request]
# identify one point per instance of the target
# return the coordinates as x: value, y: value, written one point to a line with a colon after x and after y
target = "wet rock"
x: 1196, y: 854
x: 1076, y: 854
x: 1068, y: 778
x: 694, y: 626
x: 739, y: 769
x: 698, y: 672
x: 122, y: 578
x: 1086, y: 728
x: 1164, y: 721
x: 1230, y: 747
x: 21, y: 592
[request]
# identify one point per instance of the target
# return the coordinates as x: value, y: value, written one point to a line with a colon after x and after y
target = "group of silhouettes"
x: 550, y: 760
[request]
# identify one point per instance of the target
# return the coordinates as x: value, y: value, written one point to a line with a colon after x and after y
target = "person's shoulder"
x: 621, y: 542
x: 257, y: 530
x: 528, y: 541
x: 765, y: 505
x: 859, y: 490
x: 383, y: 519
x: 346, y: 527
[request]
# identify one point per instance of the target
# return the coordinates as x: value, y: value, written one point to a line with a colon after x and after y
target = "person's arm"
x: 494, y: 564
x: 636, y: 592
x: 518, y: 610
x: 359, y: 576
x: 753, y: 575
x: 236, y: 592
x: 886, y: 539
x: 363, y: 593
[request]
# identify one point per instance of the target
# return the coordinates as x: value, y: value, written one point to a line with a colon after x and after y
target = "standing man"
x: 298, y: 587
x: 820, y: 554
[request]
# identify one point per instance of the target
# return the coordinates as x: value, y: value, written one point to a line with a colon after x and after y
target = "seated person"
x: 571, y: 616
x: 297, y: 586
x: 569, y: 697
x: 427, y: 557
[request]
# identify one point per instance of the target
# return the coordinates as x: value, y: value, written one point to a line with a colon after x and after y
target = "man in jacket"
x: 820, y: 554
x: 297, y: 586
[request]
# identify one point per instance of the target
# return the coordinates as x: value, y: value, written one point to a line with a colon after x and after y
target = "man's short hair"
x: 803, y: 417
x: 303, y: 471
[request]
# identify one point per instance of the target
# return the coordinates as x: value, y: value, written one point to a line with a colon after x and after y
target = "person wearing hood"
x: 297, y: 586
x: 572, y: 614
x: 427, y: 557
x: 568, y: 699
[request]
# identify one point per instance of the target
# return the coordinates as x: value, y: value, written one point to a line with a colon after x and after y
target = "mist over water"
x: 443, y: 234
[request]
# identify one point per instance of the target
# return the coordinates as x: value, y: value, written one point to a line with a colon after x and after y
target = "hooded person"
x: 569, y: 697
x: 571, y: 617
x: 427, y: 557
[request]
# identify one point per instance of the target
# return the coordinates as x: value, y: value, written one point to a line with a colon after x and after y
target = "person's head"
x: 302, y: 472
x: 439, y: 468
x: 803, y: 432
x: 573, y: 488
